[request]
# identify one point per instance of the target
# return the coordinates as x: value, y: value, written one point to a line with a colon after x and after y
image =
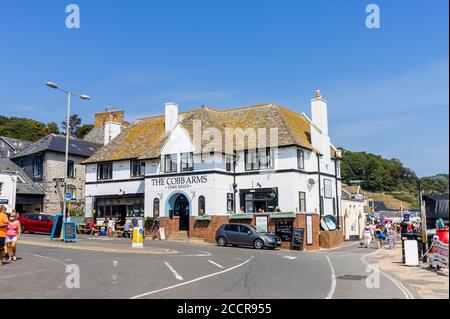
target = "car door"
x: 42, y: 223
x: 48, y: 225
x: 232, y: 233
x: 245, y: 235
x: 31, y: 223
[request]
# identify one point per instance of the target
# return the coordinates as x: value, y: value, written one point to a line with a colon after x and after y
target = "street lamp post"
x: 69, y: 94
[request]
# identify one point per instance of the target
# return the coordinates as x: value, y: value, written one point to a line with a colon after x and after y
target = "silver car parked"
x: 246, y: 235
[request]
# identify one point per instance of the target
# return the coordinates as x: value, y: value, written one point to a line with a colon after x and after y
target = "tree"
x: 22, y: 128
x: 52, y: 128
x: 74, y: 124
x: 83, y: 130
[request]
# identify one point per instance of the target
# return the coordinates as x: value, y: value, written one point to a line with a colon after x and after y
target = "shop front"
x: 119, y: 207
x: 259, y: 200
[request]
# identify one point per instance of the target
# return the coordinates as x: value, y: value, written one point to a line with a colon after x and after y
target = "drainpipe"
x: 337, y: 194
x: 320, y: 187
x: 234, y: 183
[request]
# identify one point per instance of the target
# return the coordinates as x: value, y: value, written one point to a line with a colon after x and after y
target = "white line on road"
x: 289, y: 257
x: 203, y: 254
x: 333, y: 281
x: 52, y: 259
x: 193, y: 280
x: 405, y: 290
x: 216, y: 264
x: 176, y: 274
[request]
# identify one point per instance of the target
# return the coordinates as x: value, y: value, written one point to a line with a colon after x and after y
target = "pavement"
x: 102, y: 268
x: 426, y: 283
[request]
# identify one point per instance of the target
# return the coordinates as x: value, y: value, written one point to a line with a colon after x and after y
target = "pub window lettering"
x: 137, y: 168
x: 170, y: 163
x: 256, y: 160
x: 187, y: 162
x: 300, y: 159
x: 104, y: 171
x: 302, y: 202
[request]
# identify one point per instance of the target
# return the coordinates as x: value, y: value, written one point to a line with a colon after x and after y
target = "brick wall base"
x: 206, y: 230
x: 330, y: 239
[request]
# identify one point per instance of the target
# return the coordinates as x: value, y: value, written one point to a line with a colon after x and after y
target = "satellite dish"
x: 328, y: 223
x: 311, y: 181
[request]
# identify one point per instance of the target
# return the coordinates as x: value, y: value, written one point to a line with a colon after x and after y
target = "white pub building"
x: 185, y: 164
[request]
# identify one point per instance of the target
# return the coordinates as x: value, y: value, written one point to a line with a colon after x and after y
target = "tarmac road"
x: 193, y: 271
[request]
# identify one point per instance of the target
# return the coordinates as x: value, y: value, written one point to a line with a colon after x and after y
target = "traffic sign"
x: 68, y: 196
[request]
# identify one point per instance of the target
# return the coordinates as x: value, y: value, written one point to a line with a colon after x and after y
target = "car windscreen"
x: 257, y: 229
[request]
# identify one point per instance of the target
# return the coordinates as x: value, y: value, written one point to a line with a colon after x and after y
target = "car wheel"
x: 22, y: 229
x: 221, y: 241
x: 258, y: 244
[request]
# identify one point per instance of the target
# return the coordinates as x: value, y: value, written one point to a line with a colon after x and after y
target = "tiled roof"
x: 57, y: 143
x: 16, y: 143
x: 96, y: 135
x: 145, y: 138
x: 28, y: 187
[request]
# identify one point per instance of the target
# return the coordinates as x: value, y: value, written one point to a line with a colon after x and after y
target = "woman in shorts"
x: 12, y: 236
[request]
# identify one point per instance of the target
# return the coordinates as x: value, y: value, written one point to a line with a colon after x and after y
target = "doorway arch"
x: 179, y: 205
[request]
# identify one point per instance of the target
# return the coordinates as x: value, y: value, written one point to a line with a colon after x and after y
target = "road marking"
x: 193, y: 280
x: 405, y: 290
x: 216, y: 264
x: 23, y: 274
x: 203, y: 254
x: 333, y: 281
x: 52, y: 259
x: 289, y: 257
x: 176, y: 274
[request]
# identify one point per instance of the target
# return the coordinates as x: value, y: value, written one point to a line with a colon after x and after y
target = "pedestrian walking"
x: 392, y: 238
x: 111, y: 227
x: 12, y: 236
x: 367, y: 236
x: 3, y: 226
x: 155, y: 229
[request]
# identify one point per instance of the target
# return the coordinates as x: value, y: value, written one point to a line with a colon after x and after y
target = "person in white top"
x: 111, y: 226
x: 367, y: 235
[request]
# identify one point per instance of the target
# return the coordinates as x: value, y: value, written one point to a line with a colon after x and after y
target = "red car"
x: 36, y: 223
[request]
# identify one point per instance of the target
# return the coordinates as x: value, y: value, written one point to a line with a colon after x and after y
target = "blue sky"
x: 387, y: 88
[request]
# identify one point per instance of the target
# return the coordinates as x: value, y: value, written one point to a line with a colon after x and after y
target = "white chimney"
x: 319, y: 128
x: 112, y: 129
x: 171, y: 116
x: 319, y: 113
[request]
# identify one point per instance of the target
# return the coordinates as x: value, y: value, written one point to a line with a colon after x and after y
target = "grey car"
x: 246, y: 235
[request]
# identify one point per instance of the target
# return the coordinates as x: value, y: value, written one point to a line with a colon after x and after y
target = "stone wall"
x: 54, y: 167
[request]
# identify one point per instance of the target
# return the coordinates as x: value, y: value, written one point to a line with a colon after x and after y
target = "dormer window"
x: 170, y: 163
x: 137, y: 168
x: 187, y: 162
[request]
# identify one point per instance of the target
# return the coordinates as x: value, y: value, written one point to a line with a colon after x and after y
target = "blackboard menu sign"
x: 70, y: 231
x: 57, y: 227
x: 298, y: 235
x: 284, y: 230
